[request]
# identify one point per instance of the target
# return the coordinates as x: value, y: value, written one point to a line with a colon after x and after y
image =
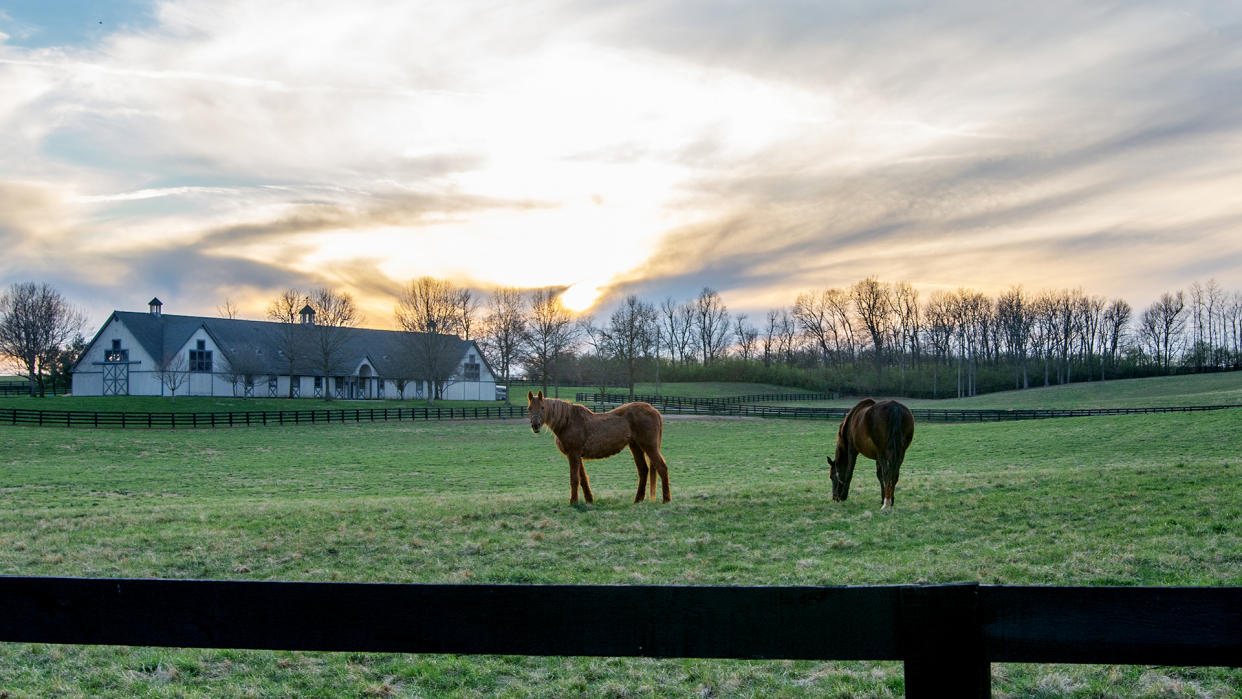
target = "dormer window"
x: 470, y: 370
x: 200, y: 358
x: 116, y: 354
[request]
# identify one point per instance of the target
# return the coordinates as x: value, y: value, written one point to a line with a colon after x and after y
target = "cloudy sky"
x: 199, y: 151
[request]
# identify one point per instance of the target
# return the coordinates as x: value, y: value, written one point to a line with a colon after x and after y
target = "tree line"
x: 872, y: 336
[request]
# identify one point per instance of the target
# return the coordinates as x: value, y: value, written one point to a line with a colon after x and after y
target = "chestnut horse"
x: 880, y: 431
x: 582, y: 434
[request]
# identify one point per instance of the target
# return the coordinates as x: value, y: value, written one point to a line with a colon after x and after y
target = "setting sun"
x: 580, y: 296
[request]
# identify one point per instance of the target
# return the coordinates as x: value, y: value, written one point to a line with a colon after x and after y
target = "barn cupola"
x: 308, y: 315
x: 156, y: 306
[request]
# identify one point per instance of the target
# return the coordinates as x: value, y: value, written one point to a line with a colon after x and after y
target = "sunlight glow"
x: 581, y: 296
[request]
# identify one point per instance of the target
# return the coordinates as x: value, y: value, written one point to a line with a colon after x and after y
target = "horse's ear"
x: 530, y: 396
x: 830, y: 461
x: 540, y: 395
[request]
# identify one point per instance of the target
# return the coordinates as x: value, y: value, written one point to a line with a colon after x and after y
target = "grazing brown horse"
x: 582, y: 434
x: 880, y: 431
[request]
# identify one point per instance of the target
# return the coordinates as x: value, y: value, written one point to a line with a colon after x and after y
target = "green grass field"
x: 1136, y: 500
x: 1196, y: 389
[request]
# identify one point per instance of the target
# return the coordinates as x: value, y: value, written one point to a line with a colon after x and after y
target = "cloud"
x: 760, y: 149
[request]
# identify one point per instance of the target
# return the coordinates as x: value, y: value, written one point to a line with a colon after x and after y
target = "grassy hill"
x: 1194, y: 389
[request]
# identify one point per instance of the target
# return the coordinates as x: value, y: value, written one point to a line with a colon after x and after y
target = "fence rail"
x: 23, y: 389
x: 248, y: 418
x: 707, y: 407
x: 252, y: 418
x: 945, y: 634
x: 725, y: 400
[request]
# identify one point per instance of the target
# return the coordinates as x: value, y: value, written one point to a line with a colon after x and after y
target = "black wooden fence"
x: 248, y: 418
x: 710, y: 406
x: 22, y: 388
x: 946, y: 635
x: 725, y: 400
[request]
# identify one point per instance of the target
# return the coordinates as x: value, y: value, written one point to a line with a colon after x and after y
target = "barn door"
x: 116, y: 379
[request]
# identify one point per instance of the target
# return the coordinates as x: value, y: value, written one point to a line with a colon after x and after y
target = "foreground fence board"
x: 946, y: 634
x: 653, y: 621
x: 1123, y: 625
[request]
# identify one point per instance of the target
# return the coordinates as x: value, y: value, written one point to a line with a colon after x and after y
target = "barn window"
x: 470, y: 370
x: 200, y: 358
x: 116, y: 354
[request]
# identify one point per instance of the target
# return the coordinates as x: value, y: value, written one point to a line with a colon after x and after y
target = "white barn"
x: 125, y: 357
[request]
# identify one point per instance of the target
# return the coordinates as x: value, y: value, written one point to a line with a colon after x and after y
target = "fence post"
x: 941, y: 641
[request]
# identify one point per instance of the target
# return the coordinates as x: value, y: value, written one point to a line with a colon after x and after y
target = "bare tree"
x: 228, y: 309
x: 1116, y: 318
x: 549, y: 336
x: 745, y: 336
x: 173, y: 372
x: 503, y: 328
x: 288, y: 338
x: 813, y: 312
x: 1207, y: 306
x: 430, y: 310
x: 631, y: 332
x: 1090, y: 317
x: 676, y: 323
x: 61, y: 361
x: 768, y: 341
x: 1162, y: 325
x: 1065, y: 322
x: 907, y: 321
x: 786, y: 336
x: 941, y: 327
x: 598, y: 363
x: 36, y: 322
x: 467, y: 309
x: 335, y: 314
x: 873, y: 304
x: 1233, y: 325
x: 1217, y: 300
x: 974, y: 312
x: 711, y: 324
x: 1015, y: 317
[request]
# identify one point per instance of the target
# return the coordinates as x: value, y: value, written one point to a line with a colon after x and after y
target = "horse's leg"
x: 573, y: 481
x: 641, y: 462
x: 894, y: 470
x: 887, y: 474
x: 585, y: 482
x: 658, y: 466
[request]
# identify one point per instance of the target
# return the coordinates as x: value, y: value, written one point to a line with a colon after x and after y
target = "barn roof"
x: 257, y: 344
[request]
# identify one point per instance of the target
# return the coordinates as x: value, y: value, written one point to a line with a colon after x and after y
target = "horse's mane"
x: 558, y: 413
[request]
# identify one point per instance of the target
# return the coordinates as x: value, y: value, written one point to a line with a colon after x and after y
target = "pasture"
x: 1134, y: 500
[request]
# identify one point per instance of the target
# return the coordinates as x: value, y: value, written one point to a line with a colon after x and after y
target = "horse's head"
x: 841, y: 471
x: 534, y: 408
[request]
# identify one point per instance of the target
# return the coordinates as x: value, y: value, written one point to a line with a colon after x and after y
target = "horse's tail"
x: 896, y: 433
